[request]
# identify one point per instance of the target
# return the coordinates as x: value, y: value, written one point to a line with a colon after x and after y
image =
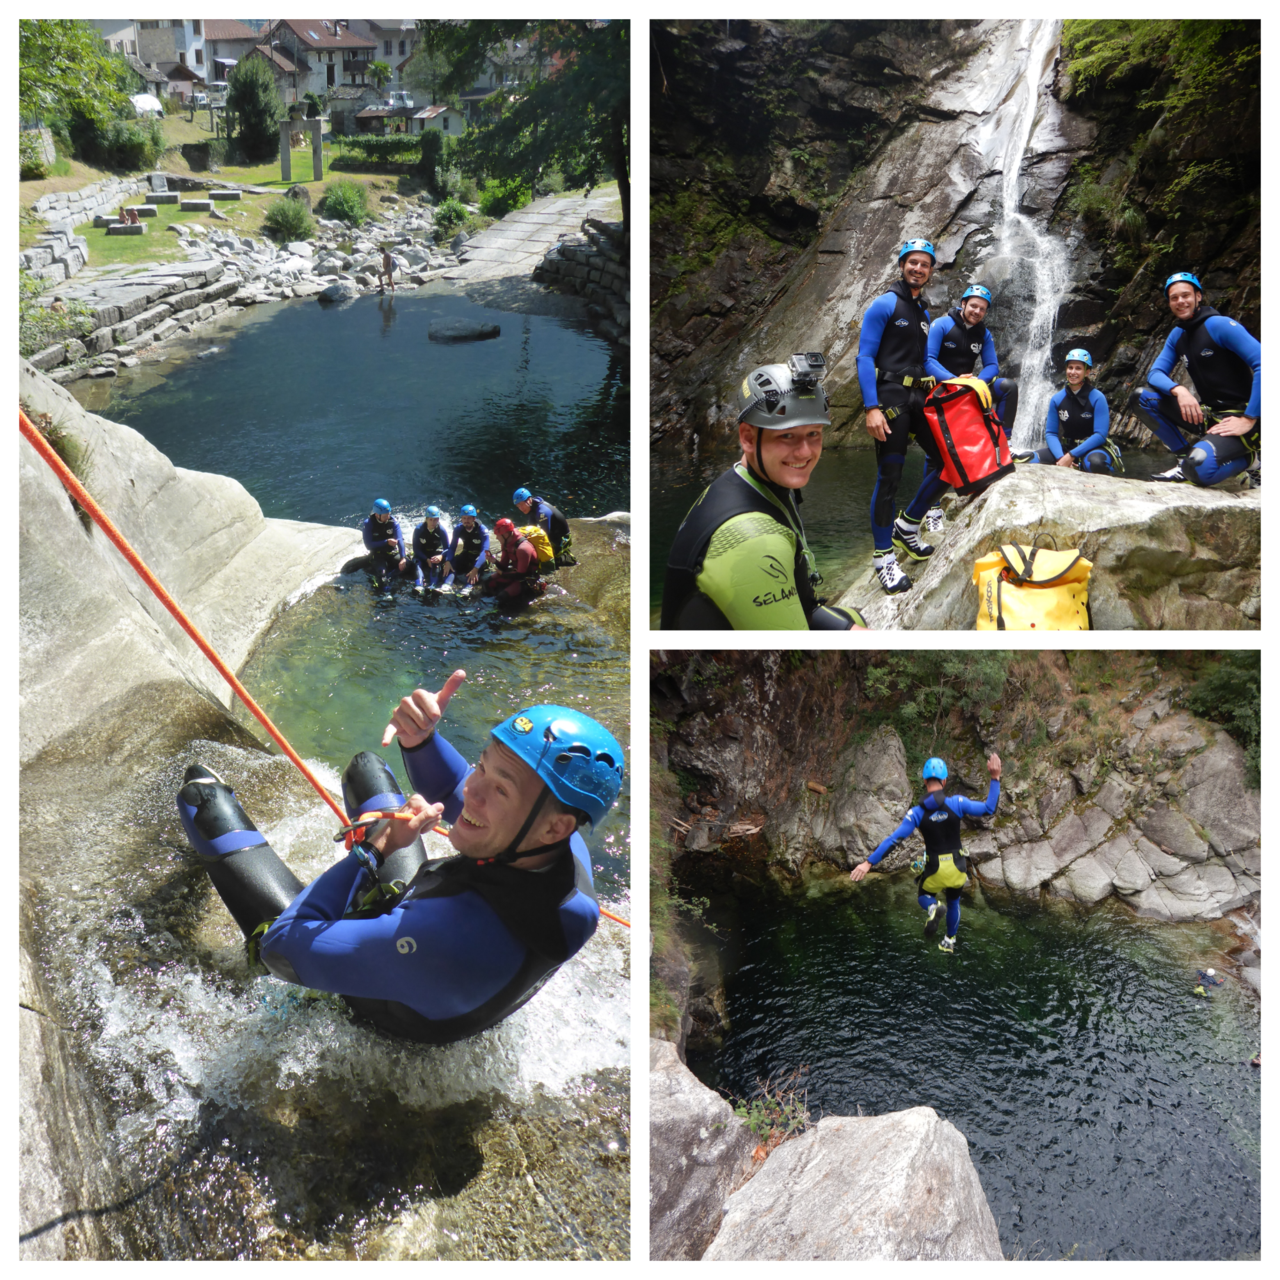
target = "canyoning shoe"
x: 1023, y: 455
x: 906, y: 538
x: 934, y: 521
x: 892, y: 579
x: 212, y: 817
x: 1252, y: 478
x: 948, y: 945
x: 1172, y: 476
x: 931, y: 920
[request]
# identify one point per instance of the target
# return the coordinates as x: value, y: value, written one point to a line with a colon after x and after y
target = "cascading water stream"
x: 1040, y: 271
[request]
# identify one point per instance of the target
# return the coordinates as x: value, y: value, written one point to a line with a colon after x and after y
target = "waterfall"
x: 1036, y: 263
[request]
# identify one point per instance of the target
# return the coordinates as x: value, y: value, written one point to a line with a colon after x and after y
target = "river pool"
x: 1110, y: 1112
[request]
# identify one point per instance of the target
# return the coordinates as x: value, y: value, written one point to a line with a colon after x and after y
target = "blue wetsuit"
x: 466, y: 547
x: 552, y: 521
x: 950, y: 353
x: 375, y: 534
x: 428, y: 543
x: 1225, y: 364
x: 961, y: 807
x: 891, y: 348
x: 1078, y: 423
x: 447, y: 959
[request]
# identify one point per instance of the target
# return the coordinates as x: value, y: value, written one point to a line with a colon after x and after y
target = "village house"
x: 226, y: 43
x: 314, y: 55
x: 119, y: 34
x: 380, y: 119
x: 176, y: 47
x: 516, y: 64
x: 396, y: 40
x: 345, y: 101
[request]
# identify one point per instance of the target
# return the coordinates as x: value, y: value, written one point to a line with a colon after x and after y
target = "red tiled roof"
x: 228, y: 29
x: 317, y: 33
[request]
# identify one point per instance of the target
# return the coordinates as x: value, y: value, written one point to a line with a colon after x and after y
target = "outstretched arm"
x: 905, y: 828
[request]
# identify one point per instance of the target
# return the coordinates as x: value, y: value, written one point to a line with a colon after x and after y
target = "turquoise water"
x: 319, y: 410
x: 1110, y: 1113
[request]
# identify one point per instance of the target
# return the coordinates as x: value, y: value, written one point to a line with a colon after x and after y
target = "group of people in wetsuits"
x: 439, y: 562
x: 740, y: 559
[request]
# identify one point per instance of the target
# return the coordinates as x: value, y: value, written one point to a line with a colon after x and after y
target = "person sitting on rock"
x: 468, y: 549
x: 384, y: 542
x: 430, y: 951
x: 891, y: 374
x: 1077, y: 423
x: 1224, y: 362
x: 553, y: 523
x: 943, y: 869
x: 516, y: 578
x: 740, y: 559
x: 429, y: 547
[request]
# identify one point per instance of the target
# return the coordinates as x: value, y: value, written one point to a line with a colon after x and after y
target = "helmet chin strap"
x: 764, y: 475
x: 511, y: 853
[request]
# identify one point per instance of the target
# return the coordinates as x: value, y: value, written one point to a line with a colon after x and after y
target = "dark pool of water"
x: 1110, y: 1113
x: 836, y: 508
x: 318, y: 410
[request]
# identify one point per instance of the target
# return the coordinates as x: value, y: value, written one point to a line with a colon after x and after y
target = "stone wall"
x: 87, y: 203
x: 595, y: 266
x: 135, y: 312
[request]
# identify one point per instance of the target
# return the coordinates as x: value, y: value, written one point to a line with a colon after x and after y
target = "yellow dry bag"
x: 538, y: 536
x: 1033, y: 588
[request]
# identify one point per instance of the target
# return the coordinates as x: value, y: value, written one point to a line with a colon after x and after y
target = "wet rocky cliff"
x: 791, y: 159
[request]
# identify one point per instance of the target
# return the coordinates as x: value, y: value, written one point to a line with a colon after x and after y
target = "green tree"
x: 379, y: 73
x: 254, y: 103
x: 424, y: 75
x: 574, y: 116
x: 315, y: 105
x: 65, y: 67
x: 1231, y: 694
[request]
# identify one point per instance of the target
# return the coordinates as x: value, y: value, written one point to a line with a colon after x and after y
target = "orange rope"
x: 103, y: 521
x: 611, y: 916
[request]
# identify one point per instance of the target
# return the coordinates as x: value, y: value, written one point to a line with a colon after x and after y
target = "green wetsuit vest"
x: 740, y: 560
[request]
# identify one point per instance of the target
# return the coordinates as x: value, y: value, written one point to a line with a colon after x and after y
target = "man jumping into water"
x: 937, y: 817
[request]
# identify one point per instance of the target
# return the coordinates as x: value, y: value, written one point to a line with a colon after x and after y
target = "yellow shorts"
x: 947, y: 876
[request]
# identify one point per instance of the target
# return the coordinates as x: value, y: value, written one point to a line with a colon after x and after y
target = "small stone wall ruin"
x: 597, y: 266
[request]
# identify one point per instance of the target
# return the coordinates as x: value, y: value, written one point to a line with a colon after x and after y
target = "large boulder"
x: 892, y: 1187
x: 1164, y: 556
x: 90, y: 633
x: 698, y: 1152
x: 339, y: 291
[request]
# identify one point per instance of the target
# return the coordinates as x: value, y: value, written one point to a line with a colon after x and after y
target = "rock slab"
x: 698, y: 1152
x: 462, y: 330
x: 855, y: 1189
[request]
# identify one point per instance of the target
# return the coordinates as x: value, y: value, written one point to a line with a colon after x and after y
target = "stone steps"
x: 127, y: 229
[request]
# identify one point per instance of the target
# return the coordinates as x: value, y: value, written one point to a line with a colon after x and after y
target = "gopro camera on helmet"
x: 807, y: 368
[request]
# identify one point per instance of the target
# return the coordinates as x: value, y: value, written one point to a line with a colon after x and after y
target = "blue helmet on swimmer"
x: 433, y: 513
x: 521, y: 495
x: 934, y: 768
x: 1079, y: 353
x: 1182, y: 276
x: 468, y: 510
x: 977, y: 291
x: 918, y: 246
x: 381, y: 505
x: 577, y: 758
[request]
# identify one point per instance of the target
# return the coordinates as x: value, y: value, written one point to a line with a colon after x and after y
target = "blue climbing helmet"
x: 1079, y: 353
x: 1179, y: 276
x: 521, y: 495
x: 433, y: 512
x: 918, y: 246
x: 383, y: 506
x: 977, y: 291
x: 934, y: 768
x: 577, y: 758
x: 469, y: 510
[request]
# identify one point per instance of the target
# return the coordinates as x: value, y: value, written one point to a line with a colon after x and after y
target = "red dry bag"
x: 968, y: 434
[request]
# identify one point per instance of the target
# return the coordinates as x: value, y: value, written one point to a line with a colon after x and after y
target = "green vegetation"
x: 380, y: 73
x: 31, y: 161
x: 254, y: 109
x: 65, y: 69
x: 38, y: 326
x: 577, y: 120
x: 347, y: 201
x: 1230, y: 694
x: 500, y: 197
x: 377, y: 148
x: 778, y: 1110
x: 450, y: 214
x: 71, y: 449
x: 289, y: 220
